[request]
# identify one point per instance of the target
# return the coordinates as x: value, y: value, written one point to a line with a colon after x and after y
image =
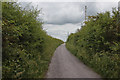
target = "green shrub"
x: 97, y: 44
x: 27, y: 49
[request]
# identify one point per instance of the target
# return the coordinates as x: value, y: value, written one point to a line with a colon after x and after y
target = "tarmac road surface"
x: 66, y: 65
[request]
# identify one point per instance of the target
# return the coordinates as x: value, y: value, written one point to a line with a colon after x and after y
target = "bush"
x: 97, y: 44
x: 27, y: 49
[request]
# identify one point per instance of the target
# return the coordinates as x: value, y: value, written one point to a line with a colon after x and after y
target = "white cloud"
x: 61, y: 31
x: 61, y: 13
x: 68, y: 0
x: 62, y: 18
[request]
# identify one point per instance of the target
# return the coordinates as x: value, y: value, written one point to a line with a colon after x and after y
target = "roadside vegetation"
x: 26, y: 48
x: 97, y: 44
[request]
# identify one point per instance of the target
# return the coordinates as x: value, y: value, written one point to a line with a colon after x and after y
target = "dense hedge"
x: 97, y: 44
x: 27, y: 49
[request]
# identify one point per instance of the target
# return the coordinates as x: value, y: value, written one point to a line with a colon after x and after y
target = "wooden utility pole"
x: 85, y: 13
x: 67, y: 33
x: 118, y: 20
x: 118, y: 9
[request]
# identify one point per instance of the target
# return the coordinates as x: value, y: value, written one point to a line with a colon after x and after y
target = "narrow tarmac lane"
x: 65, y: 65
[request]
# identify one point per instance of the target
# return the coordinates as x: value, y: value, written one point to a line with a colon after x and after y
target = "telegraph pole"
x: 118, y: 9
x: 67, y: 33
x: 118, y: 14
x: 85, y: 13
x: 118, y: 20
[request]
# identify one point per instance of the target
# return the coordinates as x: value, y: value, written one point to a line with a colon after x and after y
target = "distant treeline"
x: 97, y: 44
x: 27, y: 49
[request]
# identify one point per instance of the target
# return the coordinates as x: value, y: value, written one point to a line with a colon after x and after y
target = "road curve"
x: 65, y: 65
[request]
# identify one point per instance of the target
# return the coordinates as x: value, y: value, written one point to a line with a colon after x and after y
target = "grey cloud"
x: 66, y: 12
x: 63, y: 13
x: 62, y: 19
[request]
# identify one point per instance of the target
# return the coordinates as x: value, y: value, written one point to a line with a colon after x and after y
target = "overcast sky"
x: 63, y: 18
